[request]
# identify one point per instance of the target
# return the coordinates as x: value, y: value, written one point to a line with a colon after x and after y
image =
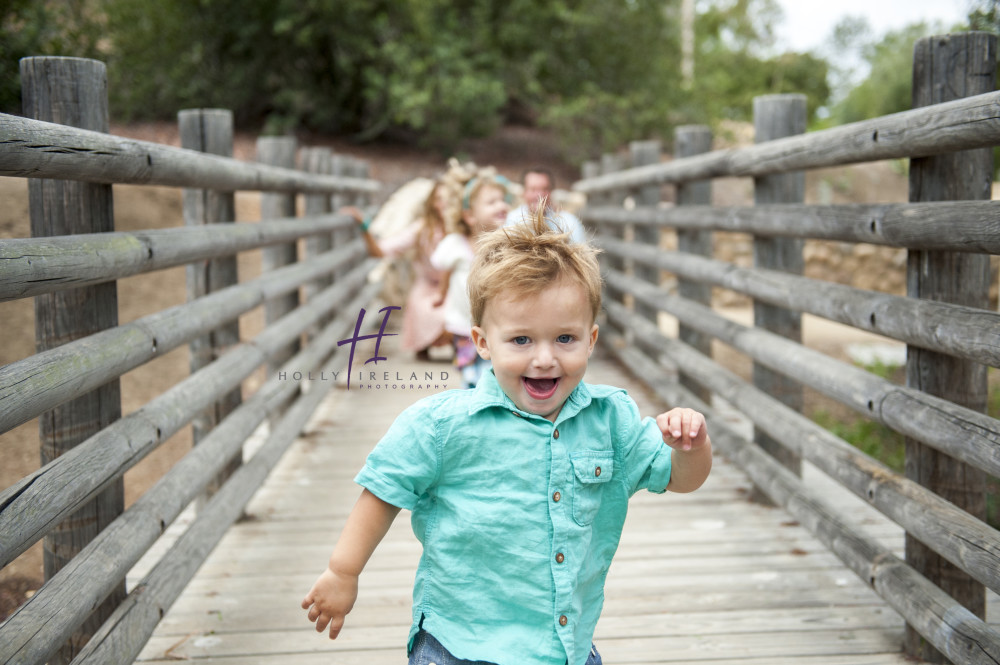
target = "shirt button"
x: 556, y: 497
x: 555, y: 434
x: 560, y: 558
x: 563, y: 620
x: 597, y: 471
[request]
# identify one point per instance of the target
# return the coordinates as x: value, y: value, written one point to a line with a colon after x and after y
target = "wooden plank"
x: 700, y: 577
x: 948, y: 127
x: 960, y: 226
x: 959, y: 330
x: 82, y: 260
x: 36, y: 149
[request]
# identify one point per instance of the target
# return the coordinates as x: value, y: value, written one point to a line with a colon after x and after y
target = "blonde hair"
x: 484, y: 178
x: 525, y: 259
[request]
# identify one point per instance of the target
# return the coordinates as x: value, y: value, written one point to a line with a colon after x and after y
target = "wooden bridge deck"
x: 705, y: 577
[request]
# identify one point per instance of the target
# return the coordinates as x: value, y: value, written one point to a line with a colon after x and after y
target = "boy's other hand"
x: 683, y: 429
x: 329, y: 601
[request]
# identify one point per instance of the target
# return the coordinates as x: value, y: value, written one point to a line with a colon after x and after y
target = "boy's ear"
x: 593, y: 339
x: 479, y: 339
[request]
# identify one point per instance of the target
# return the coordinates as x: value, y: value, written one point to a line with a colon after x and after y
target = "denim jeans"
x: 428, y: 651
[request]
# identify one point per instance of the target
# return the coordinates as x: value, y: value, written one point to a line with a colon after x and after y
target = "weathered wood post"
x: 278, y: 151
x: 317, y: 160
x: 74, y: 91
x: 612, y: 163
x: 359, y: 169
x: 211, y: 131
x: 644, y: 153
x: 775, y: 117
x: 690, y: 140
x: 946, y: 68
x: 339, y: 167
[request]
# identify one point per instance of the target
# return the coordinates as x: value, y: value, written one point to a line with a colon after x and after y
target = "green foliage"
x: 732, y: 67
x: 599, y: 72
x: 888, y: 87
x: 30, y: 28
x: 874, y: 439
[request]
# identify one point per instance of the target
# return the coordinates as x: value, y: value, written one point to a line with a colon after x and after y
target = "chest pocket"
x: 592, y: 472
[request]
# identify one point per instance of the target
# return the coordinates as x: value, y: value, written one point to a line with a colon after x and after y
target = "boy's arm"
x: 334, y: 593
x: 684, y: 430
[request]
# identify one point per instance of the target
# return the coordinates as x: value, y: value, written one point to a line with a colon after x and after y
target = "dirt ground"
x: 139, y: 207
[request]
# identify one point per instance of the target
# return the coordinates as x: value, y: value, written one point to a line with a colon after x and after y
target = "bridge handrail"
x: 298, y: 338
x: 953, y: 126
x: 946, y: 237
x: 39, y: 149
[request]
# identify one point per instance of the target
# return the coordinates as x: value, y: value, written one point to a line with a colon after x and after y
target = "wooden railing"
x: 75, y: 500
x: 949, y: 228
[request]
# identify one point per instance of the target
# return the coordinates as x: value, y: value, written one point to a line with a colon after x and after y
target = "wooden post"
x: 690, y: 140
x: 610, y: 163
x: 317, y: 160
x: 278, y: 151
x: 211, y: 131
x: 775, y: 117
x: 644, y: 153
x: 74, y: 91
x: 340, y: 237
x: 946, y: 68
x: 359, y: 169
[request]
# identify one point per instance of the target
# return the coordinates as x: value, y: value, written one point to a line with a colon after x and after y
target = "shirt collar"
x: 489, y: 394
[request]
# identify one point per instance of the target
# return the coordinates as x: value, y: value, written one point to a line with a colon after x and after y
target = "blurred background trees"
x: 432, y: 72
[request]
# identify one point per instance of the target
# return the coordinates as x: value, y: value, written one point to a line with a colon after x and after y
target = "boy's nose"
x: 543, y: 356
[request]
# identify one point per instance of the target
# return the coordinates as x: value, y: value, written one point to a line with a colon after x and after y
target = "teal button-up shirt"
x: 519, y: 517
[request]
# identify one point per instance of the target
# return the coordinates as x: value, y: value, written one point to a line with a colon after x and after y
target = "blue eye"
x: 521, y: 340
x: 564, y: 339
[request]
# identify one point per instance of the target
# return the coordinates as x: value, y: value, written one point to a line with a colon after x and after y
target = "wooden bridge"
x: 705, y: 577
x: 854, y: 564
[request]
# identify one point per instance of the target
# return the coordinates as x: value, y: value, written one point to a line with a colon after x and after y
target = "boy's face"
x: 487, y: 209
x: 539, y: 345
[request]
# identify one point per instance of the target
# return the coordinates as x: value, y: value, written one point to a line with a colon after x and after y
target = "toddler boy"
x: 518, y: 488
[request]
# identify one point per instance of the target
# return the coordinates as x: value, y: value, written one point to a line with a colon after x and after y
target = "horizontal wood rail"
x: 958, y: 226
x: 73, y: 261
x: 38, y: 149
x: 953, y: 126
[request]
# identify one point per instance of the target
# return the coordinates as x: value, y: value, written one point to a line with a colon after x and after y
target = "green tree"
x: 733, y: 63
x: 888, y: 86
x: 32, y: 28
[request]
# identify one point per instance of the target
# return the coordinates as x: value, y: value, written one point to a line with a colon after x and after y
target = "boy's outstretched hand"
x: 330, y: 599
x: 683, y: 429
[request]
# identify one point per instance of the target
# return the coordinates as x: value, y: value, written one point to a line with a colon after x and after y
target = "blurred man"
x: 538, y: 185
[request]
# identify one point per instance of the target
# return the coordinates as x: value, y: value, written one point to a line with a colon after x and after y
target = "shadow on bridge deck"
x: 702, y: 577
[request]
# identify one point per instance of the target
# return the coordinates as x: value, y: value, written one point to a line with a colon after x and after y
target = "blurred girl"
x: 485, y: 203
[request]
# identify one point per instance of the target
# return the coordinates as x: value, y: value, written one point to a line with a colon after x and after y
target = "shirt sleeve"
x: 395, y: 245
x: 647, y: 459
x: 446, y: 254
x: 406, y: 461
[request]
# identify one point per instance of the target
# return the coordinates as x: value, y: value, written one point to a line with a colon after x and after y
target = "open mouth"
x: 540, y: 389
